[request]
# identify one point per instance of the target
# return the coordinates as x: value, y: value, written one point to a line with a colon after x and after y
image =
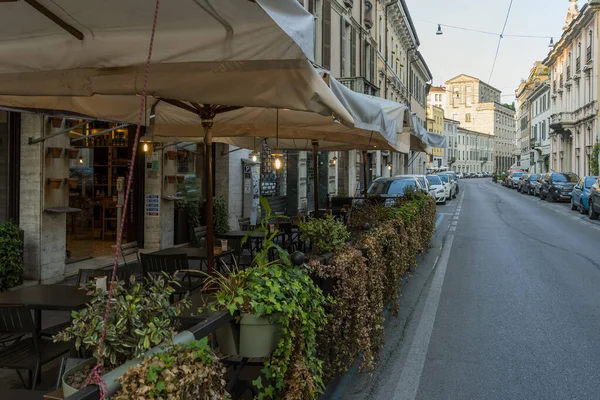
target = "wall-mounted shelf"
x: 172, y: 198
x: 62, y: 210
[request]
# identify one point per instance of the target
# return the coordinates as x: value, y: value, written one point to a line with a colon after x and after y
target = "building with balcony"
x: 573, y: 66
x: 476, y: 105
x: 525, y: 109
x: 435, y: 124
x: 539, y: 101
x: 451, y: 133
x: 473, y: 151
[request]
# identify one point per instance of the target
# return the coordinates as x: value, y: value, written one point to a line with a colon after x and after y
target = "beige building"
x: 525, y: 108
x: 473, y: 151
x: 476, y: 105
x: 437, y: 96
x: 573, y: 66
x: 435, y: 124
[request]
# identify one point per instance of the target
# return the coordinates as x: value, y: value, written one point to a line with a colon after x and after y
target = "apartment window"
x: 380, y: 32
x: 467, y: 117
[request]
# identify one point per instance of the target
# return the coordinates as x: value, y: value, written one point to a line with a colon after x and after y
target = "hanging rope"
x: 95, y: 376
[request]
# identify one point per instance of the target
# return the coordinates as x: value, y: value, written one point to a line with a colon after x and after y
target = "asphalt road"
x: 509, y: 307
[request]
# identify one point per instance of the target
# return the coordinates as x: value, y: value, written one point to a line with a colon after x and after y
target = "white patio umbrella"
x: 214, y: 55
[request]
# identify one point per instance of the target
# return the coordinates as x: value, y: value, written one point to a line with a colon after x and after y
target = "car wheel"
x: 541, y: 196
x: 581, y: 209
x: 549, y: 198
x: 592, y: 213
x: 454, y: 196
x: 444, y: 201
x: 573, y: 206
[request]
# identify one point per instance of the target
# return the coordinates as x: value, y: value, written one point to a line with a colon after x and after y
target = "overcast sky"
x: 458, y: 51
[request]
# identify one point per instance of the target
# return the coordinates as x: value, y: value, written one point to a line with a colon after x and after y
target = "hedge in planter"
x: 140, y: 317
x: 325, y: 234
x: 187, y: 372
x: 11, y: 255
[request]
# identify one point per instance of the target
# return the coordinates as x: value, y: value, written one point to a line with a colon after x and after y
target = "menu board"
x: 152, y: 205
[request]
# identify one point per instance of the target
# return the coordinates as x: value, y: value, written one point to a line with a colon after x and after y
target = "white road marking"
x: 408, y: 385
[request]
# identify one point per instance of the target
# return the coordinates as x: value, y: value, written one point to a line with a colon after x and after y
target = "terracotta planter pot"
x: 54, y: 183
x: 72, y: 153
x: 72, y: 182
x: 171, y: 178
x: 180, y: 178
x: 172, y: 155
x: 56, y: 122
x: 55, y: 151
x: 181, y: 155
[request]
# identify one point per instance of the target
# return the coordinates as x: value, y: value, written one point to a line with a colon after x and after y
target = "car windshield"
x: 395, y: 187
x: 434, y: 180
x: 517, y: 174
x: 589, y: 181
x: 444, y: 178
x: 565, y: 178
x: 422, y: 180
x: 533, y: 177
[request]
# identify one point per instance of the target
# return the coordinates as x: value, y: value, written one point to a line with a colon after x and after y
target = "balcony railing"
x: 560, y: 81
x: 588, y: 54
x: 578, y: 65
x: 361, y: 85
x: 554, y: 86
x: 568, y: 72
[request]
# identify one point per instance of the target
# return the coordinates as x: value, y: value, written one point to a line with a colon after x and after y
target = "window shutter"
x: 311, y: 6
x: 343, y: 45
x: 372, y: 64
x: 352, y: 52
x: 326, y: 34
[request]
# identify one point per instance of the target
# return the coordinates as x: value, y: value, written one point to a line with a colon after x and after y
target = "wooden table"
x: 241, y: 234
x: 192, y: 253
x: 46, y: 297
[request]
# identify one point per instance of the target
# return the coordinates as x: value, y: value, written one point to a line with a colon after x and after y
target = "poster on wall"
x: 152, y: 205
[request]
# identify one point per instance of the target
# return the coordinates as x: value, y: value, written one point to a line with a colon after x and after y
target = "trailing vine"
x: 594, y: 159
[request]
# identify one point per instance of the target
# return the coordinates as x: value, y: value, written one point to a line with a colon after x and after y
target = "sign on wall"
x: 152, y: 205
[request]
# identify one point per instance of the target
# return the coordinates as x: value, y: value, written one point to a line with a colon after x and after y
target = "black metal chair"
x: 245, y: 224
x: 129, y: 249
x: 157, y: 264
x: 29, y: 353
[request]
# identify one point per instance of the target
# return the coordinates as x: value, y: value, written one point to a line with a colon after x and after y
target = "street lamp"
x: 439, y: 31
x: 551, y: 45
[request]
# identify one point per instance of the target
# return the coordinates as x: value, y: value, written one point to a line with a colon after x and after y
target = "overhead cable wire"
x: 500, y: 41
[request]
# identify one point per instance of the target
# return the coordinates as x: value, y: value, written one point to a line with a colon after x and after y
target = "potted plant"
x: 54, y: 183
x: 325, y: 234
x: 170, y: 178
x: 172, y: 155
x: 11, y: 255
x: 181, y: 154
x: 141, y: 317
x: 55, y: 151
x: 72, y: 182
x: 279, y: 307
x: 180, y: 178
x: 190, y: 371
x: 220, y: 215
x: 72, y: 153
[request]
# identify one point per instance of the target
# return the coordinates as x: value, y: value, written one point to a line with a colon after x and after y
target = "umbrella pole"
x: 364, y: 165
x: 207, y: 123
x: 315, y: 151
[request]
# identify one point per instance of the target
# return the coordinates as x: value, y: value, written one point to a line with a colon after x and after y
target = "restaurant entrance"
x: 97, y: 182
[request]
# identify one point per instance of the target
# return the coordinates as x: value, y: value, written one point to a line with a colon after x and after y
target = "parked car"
x: 455, y: 178
x: 390, y: 188
x: 520, y: 182
x: 594, y: 200
x: 558, y: 186
x: 460, y: 175
x: 447, y: 179
x: 511, y: 181
x: 440, y: 191
x: 581, y: 194
x: 538, y: 185
x: 422, y: 179
x: 528, y: 185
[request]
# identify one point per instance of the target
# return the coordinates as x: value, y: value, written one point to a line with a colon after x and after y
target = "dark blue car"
x: 581, y: 194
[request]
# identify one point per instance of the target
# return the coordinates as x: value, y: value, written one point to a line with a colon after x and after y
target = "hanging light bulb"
x: 389, y: 167
x: 80, y: 159
x: 277, y: 154
x: 334, y: 160
x: 254, y: 156
x: 551, y: 45
x: 439, y: 31
x: 146, y: 142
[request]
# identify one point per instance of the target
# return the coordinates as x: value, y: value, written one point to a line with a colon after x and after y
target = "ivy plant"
x: 11, y: 256
x: 141, y: 316
x: 221, y: 216
x: 287, y: 294
x: 190, y: 371
x: 325, y: 234
x: 594, y: 159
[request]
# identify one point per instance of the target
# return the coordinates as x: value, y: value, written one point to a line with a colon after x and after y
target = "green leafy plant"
x: 288, y: 295
x: 141, y: 316
x: 594, y: 159
x: 11, y: 256
x: 187, y: 372
x: 221, y: 217
x: 193, y: 212
x: 325, y: 234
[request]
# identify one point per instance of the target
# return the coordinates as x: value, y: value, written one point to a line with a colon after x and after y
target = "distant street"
x: 511, y: 310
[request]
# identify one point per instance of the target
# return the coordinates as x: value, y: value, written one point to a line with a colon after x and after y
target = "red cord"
x: 95, y: 376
